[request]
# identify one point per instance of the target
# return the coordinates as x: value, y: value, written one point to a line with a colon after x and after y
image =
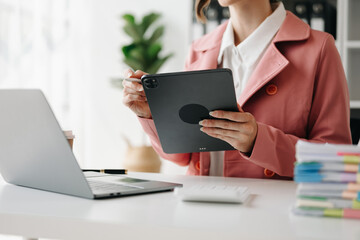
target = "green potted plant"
x: 144, y: 51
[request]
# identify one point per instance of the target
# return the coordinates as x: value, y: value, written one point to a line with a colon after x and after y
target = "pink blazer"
x: 298, y: 91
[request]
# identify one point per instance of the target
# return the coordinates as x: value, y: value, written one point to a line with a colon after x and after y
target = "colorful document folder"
x: 319, y: 202
x: 327, y: 166
x: 328, y: 178
x: 328, y: 212
x: 320, y: 152
x: 330, y: 186
x: 351, y: 195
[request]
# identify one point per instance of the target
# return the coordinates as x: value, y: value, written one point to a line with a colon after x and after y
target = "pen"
x: 132, y: 80
x: 108, y: 171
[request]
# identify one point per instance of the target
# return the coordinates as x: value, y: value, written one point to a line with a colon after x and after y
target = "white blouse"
x: 243, y: 59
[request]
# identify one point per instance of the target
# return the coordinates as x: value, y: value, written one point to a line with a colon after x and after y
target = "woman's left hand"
x: 239, y: 129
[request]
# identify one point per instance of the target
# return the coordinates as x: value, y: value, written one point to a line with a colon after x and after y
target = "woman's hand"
x: 239, y: 129
x: 134, y: 95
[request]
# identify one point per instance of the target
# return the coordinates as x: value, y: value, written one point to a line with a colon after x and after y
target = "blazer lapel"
x: 207, y: 48
x: 271, y: 64
x: 208, y: 60
x: 273, y: 61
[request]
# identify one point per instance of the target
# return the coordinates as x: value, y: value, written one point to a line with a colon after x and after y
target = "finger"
x: 128, y: 72
x: 244, y: 128
x: 232, y: 141
x: 220, y: 131
x: 235, y: 143
x: 133, y: 98
x: 224, y: 124
x: 133, y: 85
x: 128, y: 90
x: 139, y: 74
x: 233, y: 116
x: 131, y: 74
x: 239, y: 107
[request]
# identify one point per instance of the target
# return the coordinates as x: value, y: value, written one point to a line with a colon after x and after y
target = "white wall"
x: 99, y: 137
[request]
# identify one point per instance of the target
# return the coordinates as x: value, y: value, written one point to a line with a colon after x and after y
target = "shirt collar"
x: 251, y: 48
x: 227, y: 41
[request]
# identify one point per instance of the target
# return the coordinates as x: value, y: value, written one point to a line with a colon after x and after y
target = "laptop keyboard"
x: 104, y: 187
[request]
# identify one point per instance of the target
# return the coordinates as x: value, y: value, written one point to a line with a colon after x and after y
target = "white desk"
x: 35, y: 213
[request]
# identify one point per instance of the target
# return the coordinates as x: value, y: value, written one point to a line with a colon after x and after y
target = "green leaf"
x: 156, y: 65
x: 148, y: 20
x: 158, y: 32
x: 127, y: 49
x: 133, y: 31
x: 129, y: 18
x: 153, y: 51
x: 137, y: 54
x: 143, y: 53
x: 133, y: 64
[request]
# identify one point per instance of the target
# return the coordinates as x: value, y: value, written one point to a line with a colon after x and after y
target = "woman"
x: 289, y: 83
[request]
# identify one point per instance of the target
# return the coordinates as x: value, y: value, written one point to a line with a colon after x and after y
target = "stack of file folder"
x: 328, y: 177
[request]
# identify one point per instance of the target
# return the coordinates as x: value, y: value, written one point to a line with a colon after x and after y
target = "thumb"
x: 128, y: 73
x: 240, y: 109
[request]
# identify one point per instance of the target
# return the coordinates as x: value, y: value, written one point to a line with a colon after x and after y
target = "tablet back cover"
x: 178, y: 101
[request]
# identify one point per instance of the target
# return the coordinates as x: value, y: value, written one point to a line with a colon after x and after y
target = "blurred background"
x: 71, y: 49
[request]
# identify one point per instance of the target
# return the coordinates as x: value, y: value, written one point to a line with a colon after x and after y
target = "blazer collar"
x: 292, y: 29
x: 211, y: 40
x: 273, y: 61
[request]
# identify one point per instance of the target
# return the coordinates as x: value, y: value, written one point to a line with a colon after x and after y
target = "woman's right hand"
x: 134, y: 95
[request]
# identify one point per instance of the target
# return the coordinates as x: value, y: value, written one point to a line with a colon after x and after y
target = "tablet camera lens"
x: 151, y: 83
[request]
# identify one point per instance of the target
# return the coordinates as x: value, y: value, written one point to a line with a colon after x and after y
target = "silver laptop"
x: 35, y: 153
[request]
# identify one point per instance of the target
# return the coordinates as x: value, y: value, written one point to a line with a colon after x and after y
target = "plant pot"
x: 142, y: 159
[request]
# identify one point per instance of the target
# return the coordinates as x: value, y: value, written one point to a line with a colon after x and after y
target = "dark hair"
x: 200, y: 6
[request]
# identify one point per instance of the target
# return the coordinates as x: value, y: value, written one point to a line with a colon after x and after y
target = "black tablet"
x: 179, y: 100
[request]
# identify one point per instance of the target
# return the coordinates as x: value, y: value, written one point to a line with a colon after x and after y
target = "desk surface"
x: 35, y: 213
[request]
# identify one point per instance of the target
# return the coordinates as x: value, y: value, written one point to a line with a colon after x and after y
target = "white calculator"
x: 211, y: 193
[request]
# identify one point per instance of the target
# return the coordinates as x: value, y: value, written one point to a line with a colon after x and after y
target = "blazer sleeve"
x: 182, y: 159
x: 329, y: 117
x: 148, y: 125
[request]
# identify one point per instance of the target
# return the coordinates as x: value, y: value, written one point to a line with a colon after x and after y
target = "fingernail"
x: 201, y: 122
x: 211, y: 113
x: 129, y: 74
x: 202, y: 129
